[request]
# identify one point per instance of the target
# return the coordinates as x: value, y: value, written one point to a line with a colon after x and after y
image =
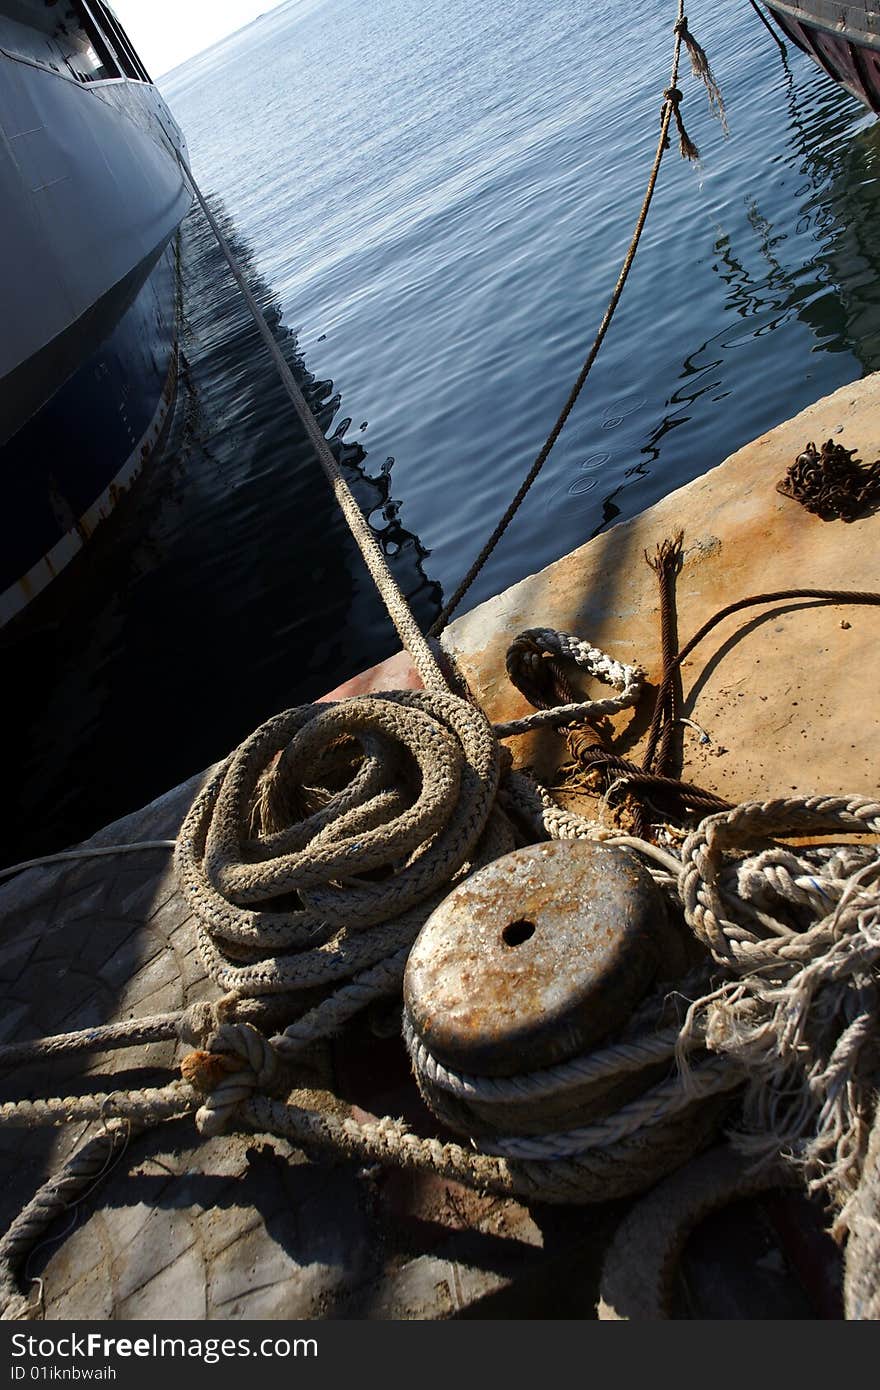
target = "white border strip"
x: 40, y: 575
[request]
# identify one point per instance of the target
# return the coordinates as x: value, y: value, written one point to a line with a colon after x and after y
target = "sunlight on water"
x: 435, y: 200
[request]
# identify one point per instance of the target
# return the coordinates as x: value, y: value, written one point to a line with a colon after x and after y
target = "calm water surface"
x: 434, y: 200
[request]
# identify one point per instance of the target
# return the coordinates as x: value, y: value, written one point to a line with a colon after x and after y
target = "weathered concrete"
x: 787, y: 691
x: 245, y: 1228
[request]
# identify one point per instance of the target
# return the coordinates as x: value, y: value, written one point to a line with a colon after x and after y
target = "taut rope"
x: 398, y: 609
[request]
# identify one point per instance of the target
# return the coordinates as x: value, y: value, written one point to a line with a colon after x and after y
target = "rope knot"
x: 672, y: 97
x: 239, y: 1061
x: 201, y: 1020
x: 680, y: 27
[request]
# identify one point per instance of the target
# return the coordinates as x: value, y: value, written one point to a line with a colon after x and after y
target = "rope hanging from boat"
x: 769, y: 27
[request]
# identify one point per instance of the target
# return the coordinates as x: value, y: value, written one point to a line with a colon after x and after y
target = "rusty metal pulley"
x: 535, y: 958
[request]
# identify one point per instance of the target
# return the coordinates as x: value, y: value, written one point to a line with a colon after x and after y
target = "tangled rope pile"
x: 798, y: 935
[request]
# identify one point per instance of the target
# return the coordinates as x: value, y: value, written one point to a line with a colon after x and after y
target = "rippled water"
x: 436, y: 198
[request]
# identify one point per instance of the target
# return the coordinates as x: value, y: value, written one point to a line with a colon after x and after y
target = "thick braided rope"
x: 251, y: 1065
x: 328, y: 1017
x: 628, y: 680
x: 147, y: 1106
x: 398, y: 609
x: 594, y: 1176
x: 639, y: 1266
x: 532, y: 803
x: 82, y: 1171
x: 426, y: 832
x: 526, y: 798
x: 130, y: 1033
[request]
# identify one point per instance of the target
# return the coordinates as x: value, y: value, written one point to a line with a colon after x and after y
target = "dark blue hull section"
x: 63, y: 472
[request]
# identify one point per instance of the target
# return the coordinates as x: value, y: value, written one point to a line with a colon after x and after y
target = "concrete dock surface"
x: 245, y: 1227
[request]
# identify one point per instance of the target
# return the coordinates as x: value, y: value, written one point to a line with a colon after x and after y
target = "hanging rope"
x: 702, y: 71
x: 670, y: 110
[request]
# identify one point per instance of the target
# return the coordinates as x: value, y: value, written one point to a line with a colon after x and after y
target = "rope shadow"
x: 730, y: 644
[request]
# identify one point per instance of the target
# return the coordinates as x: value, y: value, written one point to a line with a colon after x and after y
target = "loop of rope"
x: 79, y: 1174
x: 627, y: 1055
x: 659, y: 1104
x: 638, y: 1269
x: 536, y: 645
x: 710, y: 915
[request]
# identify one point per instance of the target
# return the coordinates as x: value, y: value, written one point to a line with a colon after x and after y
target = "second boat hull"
x: 844, y: 39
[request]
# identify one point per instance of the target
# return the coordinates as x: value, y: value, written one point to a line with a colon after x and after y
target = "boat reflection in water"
x: 227, y: 588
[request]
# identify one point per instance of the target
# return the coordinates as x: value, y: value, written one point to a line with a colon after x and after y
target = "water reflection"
x: 225, y: 588
x: 833, y: 290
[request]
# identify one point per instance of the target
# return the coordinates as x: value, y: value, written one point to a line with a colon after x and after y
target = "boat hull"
x: 844, y: 39
x: 65, y: 471
x: 93, y: 192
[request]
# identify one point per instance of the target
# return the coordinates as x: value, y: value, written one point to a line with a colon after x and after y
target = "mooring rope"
x: 399, y: 610
x: 769, y: 27
x: 670, y: 110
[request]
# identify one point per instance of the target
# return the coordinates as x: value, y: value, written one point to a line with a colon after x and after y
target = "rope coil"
x: 402, y: 784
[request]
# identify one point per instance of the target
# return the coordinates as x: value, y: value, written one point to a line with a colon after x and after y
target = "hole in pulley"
x: 515, y: 933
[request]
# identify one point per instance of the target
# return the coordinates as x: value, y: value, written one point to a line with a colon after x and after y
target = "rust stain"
x: 532, y: 955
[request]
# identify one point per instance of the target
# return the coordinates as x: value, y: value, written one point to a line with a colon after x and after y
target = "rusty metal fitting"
x: 535, y: 958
